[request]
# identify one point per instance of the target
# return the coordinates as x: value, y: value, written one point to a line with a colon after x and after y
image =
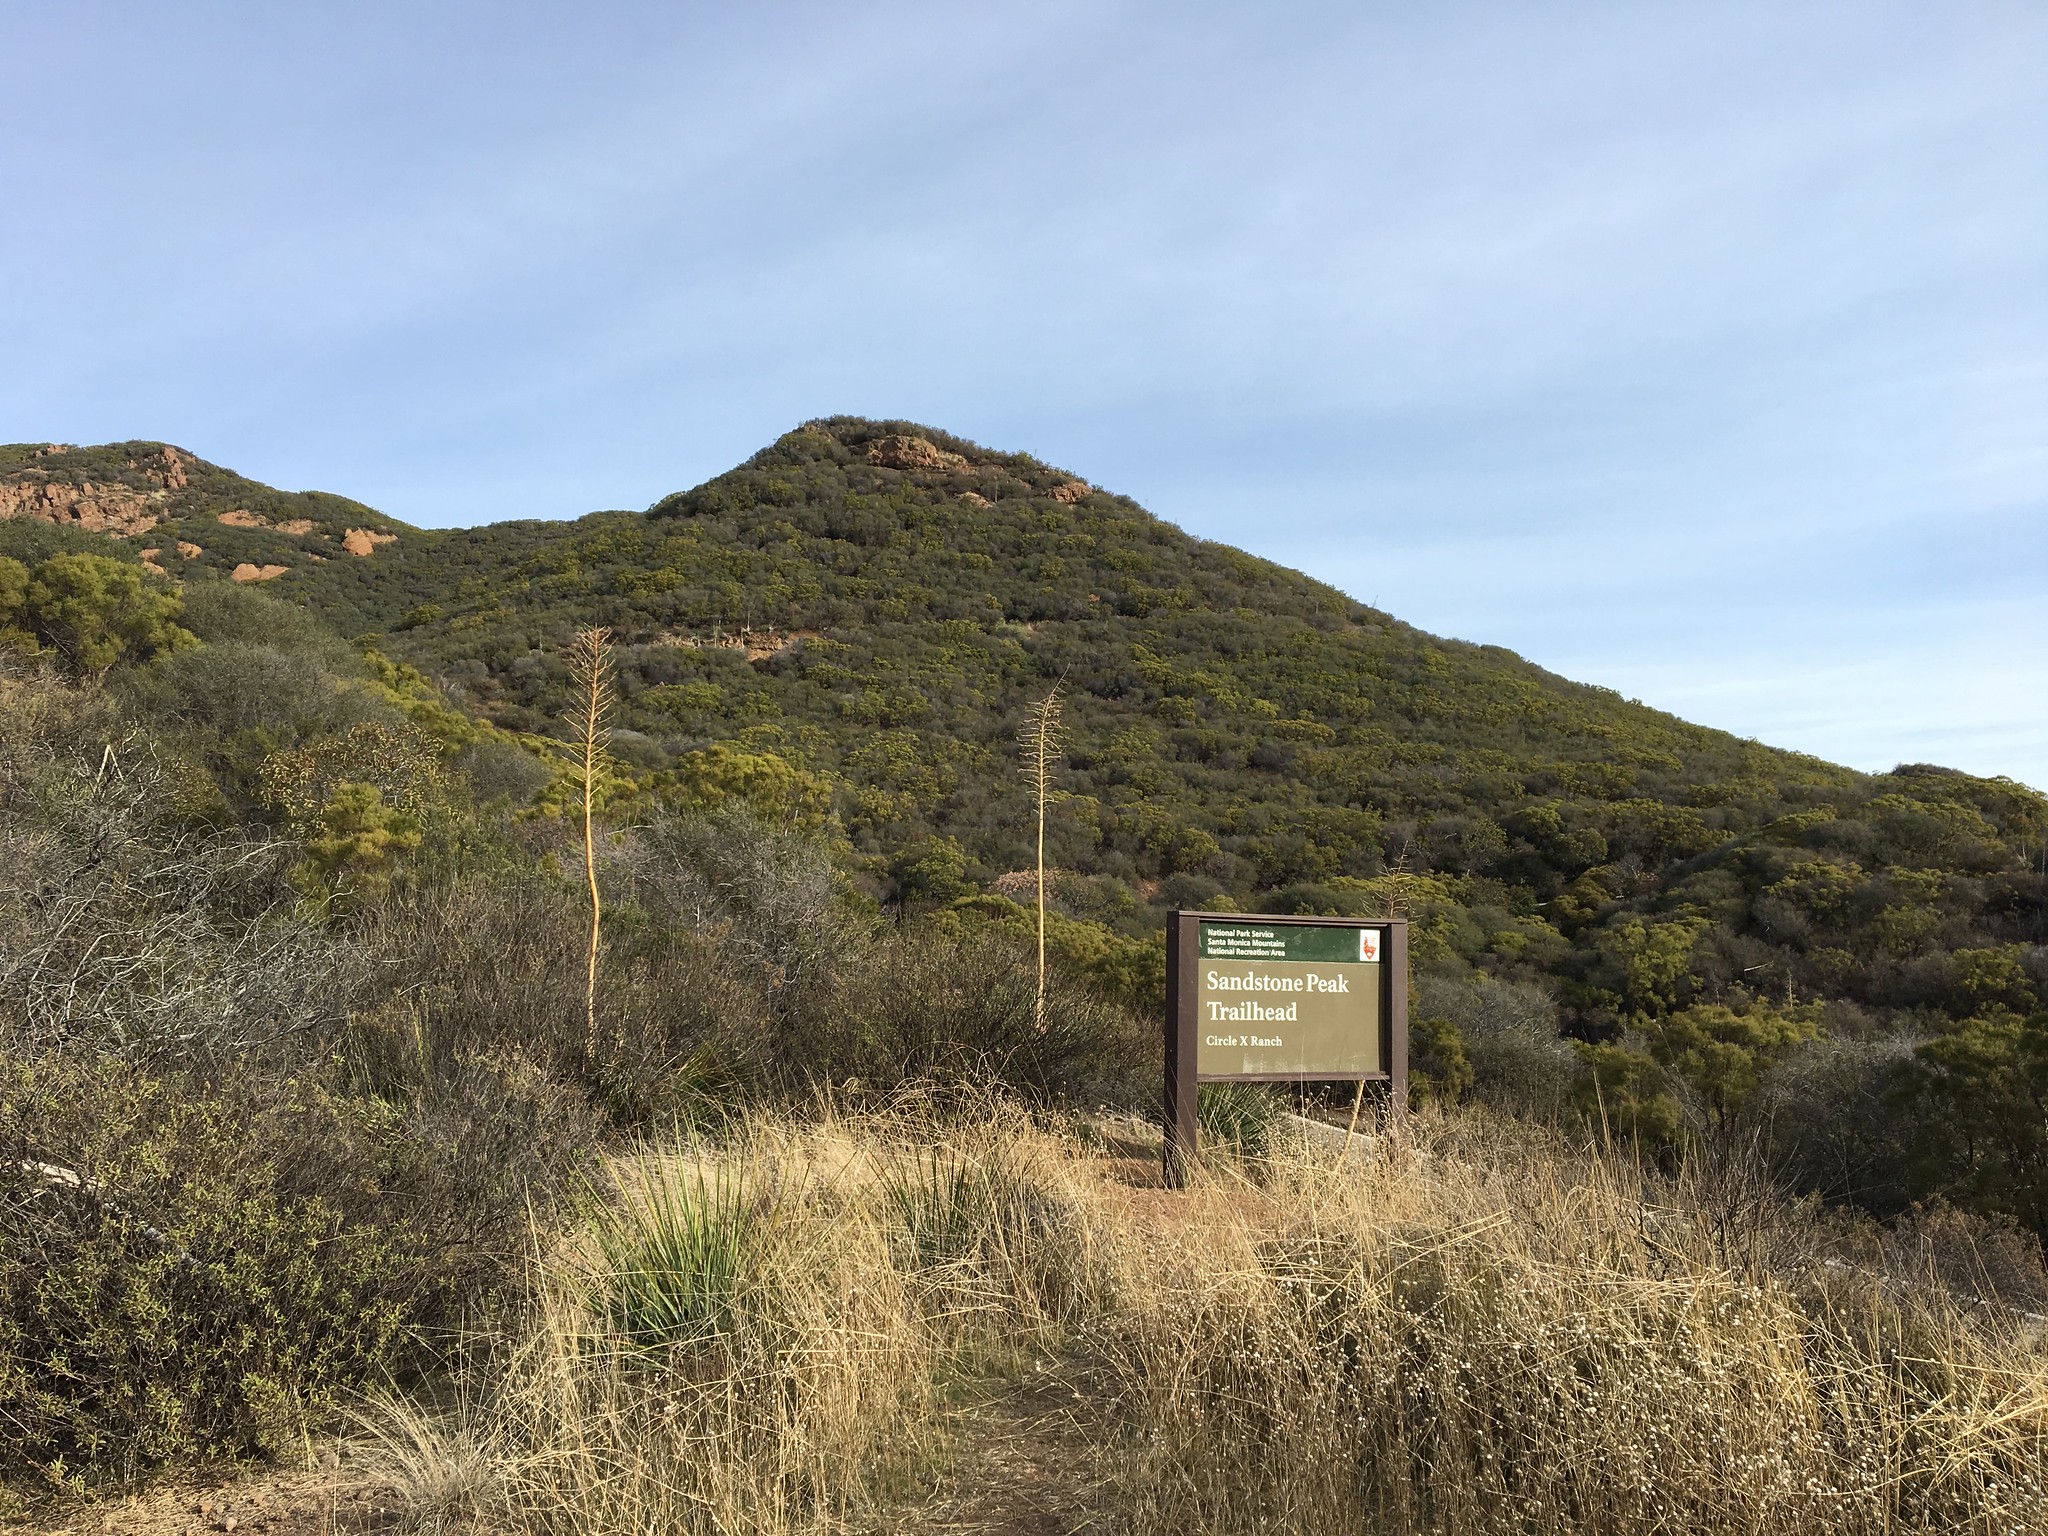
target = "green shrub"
x: 1832, y: 1124
x: 92, y: 610
x: 356, y: 838
x: 1509, y: 1034
x: 193, y: 1268
x: 162, y: 1296
x: 1238, y: 1118
x: 493, y: 964
x: 921, y: 1005
x: 682, y: 1029
x: 1977, y: 1102
x: 1439, y: 1071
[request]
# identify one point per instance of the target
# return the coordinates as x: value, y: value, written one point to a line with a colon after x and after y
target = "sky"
x: 1699, y: 350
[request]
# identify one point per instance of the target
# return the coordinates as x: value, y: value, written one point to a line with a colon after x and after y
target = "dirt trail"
x: 1023, y: 1463
x: 272, y: 1504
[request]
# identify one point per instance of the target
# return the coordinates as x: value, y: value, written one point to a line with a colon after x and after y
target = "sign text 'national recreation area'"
x: 1288, y: 1000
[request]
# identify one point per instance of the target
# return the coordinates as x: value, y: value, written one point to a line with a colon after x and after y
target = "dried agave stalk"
x: 1043, y: 740
x: 590, y: 666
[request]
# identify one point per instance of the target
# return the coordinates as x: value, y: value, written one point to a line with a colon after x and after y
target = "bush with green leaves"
x: 125, y: 928
x: 1439, y: 1068
x: 90, y: 610
x: 1976, y: 1103
x: 1508, y: 1034
x: 162, y: 1294
x: 924, y: 1006
x: 195, y: 1267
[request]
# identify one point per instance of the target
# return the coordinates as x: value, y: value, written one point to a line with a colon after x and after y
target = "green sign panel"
x: 1285, y: 999
x: 1255, y: 941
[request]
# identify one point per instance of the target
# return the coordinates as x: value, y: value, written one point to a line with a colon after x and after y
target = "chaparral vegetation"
x: 817, y: 1204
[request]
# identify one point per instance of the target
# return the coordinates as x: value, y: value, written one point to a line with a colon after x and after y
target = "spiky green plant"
x: 676, y: 1254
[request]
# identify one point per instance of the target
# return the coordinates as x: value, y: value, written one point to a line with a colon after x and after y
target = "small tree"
x: 1043, y: 738
x: 355, y: 841
x: 92, y: 609
x: 590, y: 665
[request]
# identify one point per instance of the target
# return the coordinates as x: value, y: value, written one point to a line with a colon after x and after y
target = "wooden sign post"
x: 1257, y: 999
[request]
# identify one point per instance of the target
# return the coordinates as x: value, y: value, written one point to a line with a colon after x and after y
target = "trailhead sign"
x: 1288, y: 1000
x: 1269, y: 999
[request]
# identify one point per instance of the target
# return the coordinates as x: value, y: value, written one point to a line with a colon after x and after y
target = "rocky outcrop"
x: 913, y: 453
x: 247, y: 572
x: 758, y: 644
x: 165, y: 468
x: 364, y: 541
x: 116, y: 507
x: 1070, y: 491
x: 297, y: 527
x: 113, y: 509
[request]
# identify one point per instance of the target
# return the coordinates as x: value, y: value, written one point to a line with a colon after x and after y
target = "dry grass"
x: 1474, y: 1330
x: 754, y: 1337
x: 1487, y: 1334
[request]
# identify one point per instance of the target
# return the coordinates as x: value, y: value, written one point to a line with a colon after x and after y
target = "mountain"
x: 165, y: 501
x: 313, y: 1035
x: 857, y: 618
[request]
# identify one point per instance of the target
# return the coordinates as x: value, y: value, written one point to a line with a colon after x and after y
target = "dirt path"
x: 273, y: 1504
x: 1023, y: 1463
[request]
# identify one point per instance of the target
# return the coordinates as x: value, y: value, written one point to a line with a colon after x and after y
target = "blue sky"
x: 1700, y: 350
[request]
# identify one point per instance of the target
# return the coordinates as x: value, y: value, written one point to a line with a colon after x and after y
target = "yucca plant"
x: 946, y: 1204
x: 1238, y: 1117
x: 676, y: 1254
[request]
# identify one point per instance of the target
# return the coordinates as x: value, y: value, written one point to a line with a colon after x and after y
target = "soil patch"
x: 273, y: 1504
x: 1024, y: 1462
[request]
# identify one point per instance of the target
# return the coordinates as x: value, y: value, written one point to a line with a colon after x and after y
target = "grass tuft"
x: 674, y: 1258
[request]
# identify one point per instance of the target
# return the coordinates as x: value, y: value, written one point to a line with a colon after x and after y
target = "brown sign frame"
x: 1183, y: 964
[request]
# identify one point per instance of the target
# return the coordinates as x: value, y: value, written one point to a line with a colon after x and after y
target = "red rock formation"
x: 110, y: 509
x: 166, y: 467
x: 913, y: 453
x: 364, y: 541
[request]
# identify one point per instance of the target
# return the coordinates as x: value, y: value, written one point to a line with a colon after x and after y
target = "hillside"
x: 873, y: 604
x: 307, y: 1069
x: 182, y: 515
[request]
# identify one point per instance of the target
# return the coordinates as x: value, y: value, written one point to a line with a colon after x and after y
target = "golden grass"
x: 1475, y: 1329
